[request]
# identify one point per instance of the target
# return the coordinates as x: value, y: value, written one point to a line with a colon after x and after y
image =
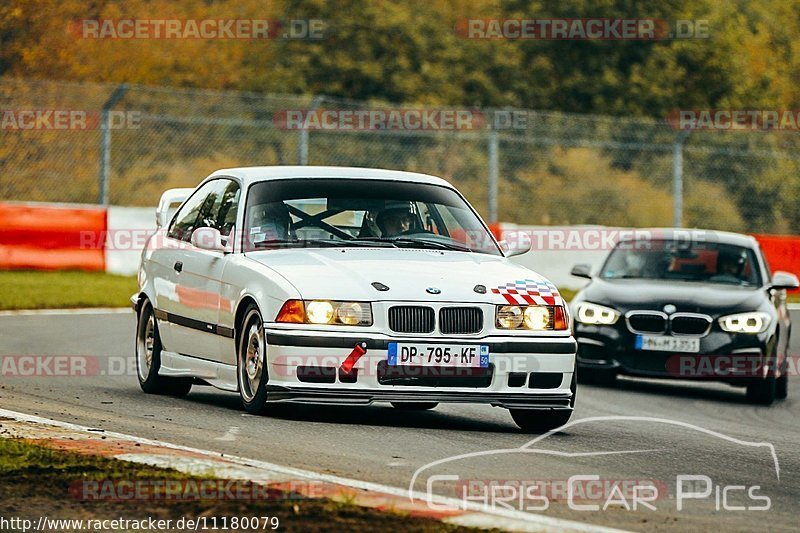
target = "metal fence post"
x: 493, y: 172
x: 677, y: 178
x: 105, y: 142
x: 302, y: 148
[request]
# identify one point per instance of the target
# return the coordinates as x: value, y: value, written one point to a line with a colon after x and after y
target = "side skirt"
x: 216, y: 374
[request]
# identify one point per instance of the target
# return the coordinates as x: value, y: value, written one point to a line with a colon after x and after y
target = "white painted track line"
x: 475, y: 514
x: 80, y: 311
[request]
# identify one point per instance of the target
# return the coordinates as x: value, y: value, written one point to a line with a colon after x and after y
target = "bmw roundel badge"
x: 433, y: 290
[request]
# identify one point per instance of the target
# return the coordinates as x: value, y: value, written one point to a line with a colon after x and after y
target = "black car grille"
x: 690, y: 325
x: 411, y: 319
x: 460, y: 320
x: 647, y: 323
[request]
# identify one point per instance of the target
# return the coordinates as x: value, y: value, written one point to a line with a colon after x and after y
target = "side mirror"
x: 209, y: 239
x: 522, y: 248
x: 582, y: 271
x: 784, y: 280
x: 169, y: 203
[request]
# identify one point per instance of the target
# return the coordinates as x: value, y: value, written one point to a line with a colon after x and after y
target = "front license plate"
x: 660, y: 343
x: 452, y: 355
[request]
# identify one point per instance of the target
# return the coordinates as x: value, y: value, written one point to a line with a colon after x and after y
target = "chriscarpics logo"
x: 607, y: 464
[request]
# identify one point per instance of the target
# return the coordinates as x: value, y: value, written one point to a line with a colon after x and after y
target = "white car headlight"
x: 509, y: 316
x: 537, y: 317
x: 754, y: 322
x: 532, y: 317
x: 319, y: 312
x: 326, y: 312
x: 589, y: 313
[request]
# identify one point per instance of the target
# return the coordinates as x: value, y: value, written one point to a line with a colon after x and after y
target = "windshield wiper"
x: 308, y: 243
x: 438, y: 245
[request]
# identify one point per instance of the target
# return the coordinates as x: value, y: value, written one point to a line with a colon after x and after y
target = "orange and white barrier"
x: 48, y: 237
x: 63, y: 236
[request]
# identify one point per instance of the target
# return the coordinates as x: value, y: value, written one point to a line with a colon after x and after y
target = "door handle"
x: 178, y: 266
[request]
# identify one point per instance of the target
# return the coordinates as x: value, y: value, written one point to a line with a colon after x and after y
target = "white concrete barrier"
x: 128, y: 228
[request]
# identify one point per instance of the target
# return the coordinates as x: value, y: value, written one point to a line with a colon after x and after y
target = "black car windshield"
x: 320, y: 212
x: 683, y: 261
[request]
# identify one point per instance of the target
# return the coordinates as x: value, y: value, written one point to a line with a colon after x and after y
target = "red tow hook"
x: 351, y: 360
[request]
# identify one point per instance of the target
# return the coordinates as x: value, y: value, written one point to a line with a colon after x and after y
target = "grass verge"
x: 26, y: 289
x: 40, y: 481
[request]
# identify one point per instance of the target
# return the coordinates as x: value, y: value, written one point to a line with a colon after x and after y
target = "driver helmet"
x: 733, y: 257
x: 270, y: 221
x: 395, y: 211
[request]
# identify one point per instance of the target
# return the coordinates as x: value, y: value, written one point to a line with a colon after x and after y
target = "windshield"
x: 682, y: 261
x: 321, y: 212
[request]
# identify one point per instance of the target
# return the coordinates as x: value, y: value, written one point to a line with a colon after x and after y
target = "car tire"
x: 606, y: 377
x: 148, y: 358
x: 782, y: 386
x: 540, y: 421
x: 251, y: 363
x: 762, y: 391
x: 414, y: 406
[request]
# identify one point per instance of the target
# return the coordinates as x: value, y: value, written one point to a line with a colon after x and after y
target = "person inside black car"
x: 730, y: 266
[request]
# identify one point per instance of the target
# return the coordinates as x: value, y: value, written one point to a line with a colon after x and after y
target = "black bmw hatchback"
x: 686, y: 304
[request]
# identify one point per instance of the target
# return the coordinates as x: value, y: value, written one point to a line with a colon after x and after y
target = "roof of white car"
x: 254, y: 174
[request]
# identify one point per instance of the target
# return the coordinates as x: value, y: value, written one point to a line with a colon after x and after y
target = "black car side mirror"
x: 582, y: 271
x: 784, y: 280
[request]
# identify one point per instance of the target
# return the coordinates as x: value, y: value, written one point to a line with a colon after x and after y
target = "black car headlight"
x: 589, y: 313
x: 754, y: 322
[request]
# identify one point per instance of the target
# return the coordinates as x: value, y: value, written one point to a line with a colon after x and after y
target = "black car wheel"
x: 762, y: 391
x: 599, y: 376
x: 782, y: 387
x: 782, y: 383
x: 148, y: 358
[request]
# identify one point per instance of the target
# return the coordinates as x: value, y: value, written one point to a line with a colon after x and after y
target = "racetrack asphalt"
x: 712, y: 435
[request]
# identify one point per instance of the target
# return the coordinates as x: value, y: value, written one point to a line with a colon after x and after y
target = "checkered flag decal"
x: 529, y: 292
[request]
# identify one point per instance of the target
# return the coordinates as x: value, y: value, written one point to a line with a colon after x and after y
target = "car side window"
x: 227, y: 209
x: 185, y: 220
x: 213, y: 206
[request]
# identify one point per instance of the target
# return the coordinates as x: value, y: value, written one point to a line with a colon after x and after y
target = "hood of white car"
x: 410, y: 274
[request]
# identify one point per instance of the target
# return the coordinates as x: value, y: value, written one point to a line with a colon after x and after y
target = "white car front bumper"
x: 524, y: 372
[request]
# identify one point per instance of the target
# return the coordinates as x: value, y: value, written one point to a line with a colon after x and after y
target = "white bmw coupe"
x: 347, y: 286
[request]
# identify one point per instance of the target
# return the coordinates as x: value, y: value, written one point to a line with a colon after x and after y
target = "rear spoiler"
x: 169, y: 203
